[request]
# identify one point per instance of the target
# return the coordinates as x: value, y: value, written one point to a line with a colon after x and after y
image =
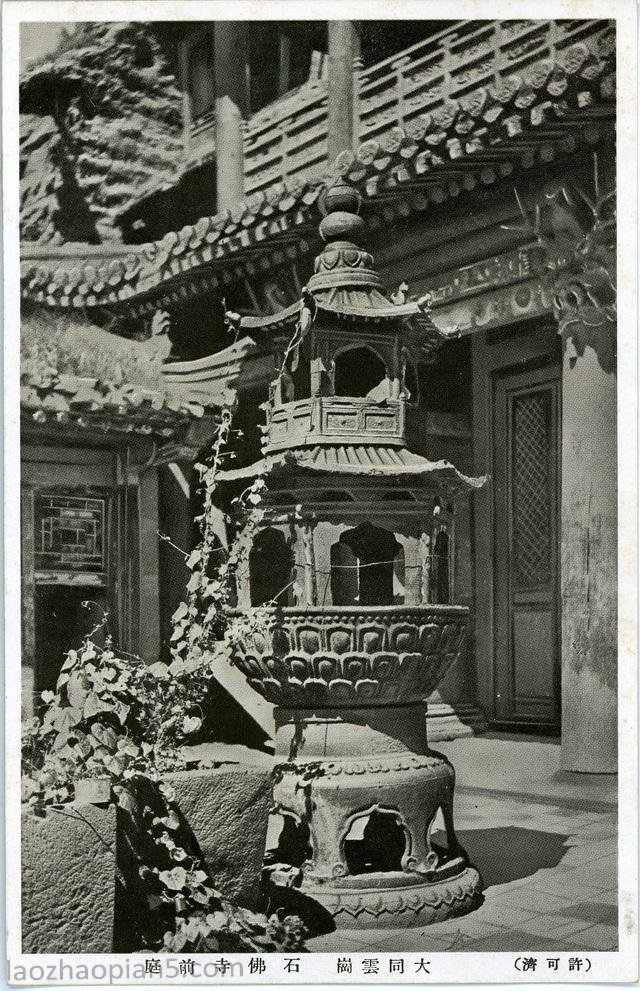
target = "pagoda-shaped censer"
x: 356, y: 550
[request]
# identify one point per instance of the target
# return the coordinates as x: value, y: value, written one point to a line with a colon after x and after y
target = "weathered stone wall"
x: 228, y: 810
x: 68, y: 880
x: 70, y: 858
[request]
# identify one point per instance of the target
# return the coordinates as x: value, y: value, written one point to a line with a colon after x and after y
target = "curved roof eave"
x: 357, y: 459
x: 553, y: 104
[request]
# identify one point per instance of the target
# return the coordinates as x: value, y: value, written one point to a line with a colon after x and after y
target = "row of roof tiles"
x: 83, y: 374
x: 358, y: 459
x: 550, y: 101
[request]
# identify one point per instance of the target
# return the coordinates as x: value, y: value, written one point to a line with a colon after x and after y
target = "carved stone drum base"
x: 359, y: 792
x: 398, y: 904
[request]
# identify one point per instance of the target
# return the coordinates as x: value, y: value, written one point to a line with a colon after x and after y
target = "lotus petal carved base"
x: 351, y: 656
x: 393, y: 907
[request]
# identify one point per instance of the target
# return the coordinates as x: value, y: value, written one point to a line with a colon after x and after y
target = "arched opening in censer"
x: 270, y: 567
x: 288, y: 840
x: 358, y: 371
x: 376, y: 841
x: 367, y: 568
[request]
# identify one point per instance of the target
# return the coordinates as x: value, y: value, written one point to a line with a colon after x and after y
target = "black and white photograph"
x: 320, y: 492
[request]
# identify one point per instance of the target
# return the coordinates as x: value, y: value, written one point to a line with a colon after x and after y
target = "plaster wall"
x: 589, y: 563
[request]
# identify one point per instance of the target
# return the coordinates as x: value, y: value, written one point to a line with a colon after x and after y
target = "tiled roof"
x: 351, y: 303
x: 239, y: 365
x: 73, y: 371
x: 357, y: 459
x: 139, y: 270
x: 491, y: 133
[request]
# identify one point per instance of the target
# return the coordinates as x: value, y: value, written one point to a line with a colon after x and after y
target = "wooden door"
x: 526, y: 591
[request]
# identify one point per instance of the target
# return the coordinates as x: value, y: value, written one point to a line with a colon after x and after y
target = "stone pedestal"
x: 367, y: 773
x: 227, y: 811
x: 357, y: 787
x: 589, y: 559
x: 69, y: 880
x: 447, y: 721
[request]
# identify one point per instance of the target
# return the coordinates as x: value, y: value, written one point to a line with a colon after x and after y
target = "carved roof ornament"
x: 345, y: 284
x: 576, y: 232
x: 343, y: 262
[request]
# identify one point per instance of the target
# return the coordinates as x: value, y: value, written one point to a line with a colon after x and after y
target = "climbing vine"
x: 118, y: 721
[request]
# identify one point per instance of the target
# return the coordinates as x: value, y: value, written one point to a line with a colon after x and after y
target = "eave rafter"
x: 553, y: 109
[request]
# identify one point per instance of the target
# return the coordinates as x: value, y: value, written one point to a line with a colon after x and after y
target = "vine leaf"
x: 105, y: 735
x: 180, y: 612
x: 94, y: 705
x: 158, y: 670
x: 77, y: 688
x: 191, y: 724
x: 175, y: 879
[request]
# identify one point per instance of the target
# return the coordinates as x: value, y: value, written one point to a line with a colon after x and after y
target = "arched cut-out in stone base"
x: 375, y: 841
x: 441, y: 840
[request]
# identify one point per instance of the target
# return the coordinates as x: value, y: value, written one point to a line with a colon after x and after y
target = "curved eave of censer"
x: 355, y: 304
x: 358, y: 459
x: 345, y: 285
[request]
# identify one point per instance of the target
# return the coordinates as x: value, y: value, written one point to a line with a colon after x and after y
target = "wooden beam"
x: 149, y: 598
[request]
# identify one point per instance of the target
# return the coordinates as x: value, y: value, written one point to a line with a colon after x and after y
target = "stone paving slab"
x: 509, y: 763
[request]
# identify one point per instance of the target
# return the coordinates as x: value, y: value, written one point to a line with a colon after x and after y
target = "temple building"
x: 482, y: 154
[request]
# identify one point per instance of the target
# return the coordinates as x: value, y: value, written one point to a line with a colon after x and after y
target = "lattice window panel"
x: 69, y: 534
x: 531, y: 488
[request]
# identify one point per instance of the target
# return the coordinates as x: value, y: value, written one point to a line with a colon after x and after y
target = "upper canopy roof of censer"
x: 334, y: 433
x: 345, y: 284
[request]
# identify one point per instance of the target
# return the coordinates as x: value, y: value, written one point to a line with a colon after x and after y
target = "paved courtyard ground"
x: 545, y: 844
